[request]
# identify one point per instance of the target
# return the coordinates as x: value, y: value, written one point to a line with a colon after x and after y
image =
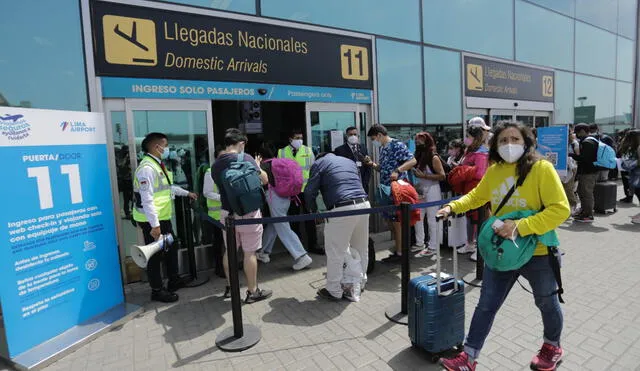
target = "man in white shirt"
x: 154, y: 192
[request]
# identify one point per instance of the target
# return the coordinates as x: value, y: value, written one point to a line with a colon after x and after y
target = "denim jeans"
x: 279, y: 206
x: 495, y: 288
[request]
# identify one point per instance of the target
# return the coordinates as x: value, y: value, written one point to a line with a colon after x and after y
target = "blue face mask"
x: 165, y: 153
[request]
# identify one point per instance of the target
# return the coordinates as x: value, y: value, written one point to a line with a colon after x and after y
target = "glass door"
x: 526, y: 117
x: 188, y: 126
x: 501, y: 115
x: 541, y: 119
x: 327, y: 122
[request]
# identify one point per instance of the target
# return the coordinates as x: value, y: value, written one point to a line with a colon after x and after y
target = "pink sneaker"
x: 458, y: 363
x: 547, y: 358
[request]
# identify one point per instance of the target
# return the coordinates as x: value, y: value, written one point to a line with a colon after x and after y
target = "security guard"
x: 154, y: 193
x: 303, y: 155
x: 214, y: 205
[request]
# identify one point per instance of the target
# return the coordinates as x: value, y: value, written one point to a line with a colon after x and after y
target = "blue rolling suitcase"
x: 436, y: 308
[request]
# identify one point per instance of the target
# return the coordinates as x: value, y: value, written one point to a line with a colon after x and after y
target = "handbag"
x: 502, y: 254
x: 383, y: 195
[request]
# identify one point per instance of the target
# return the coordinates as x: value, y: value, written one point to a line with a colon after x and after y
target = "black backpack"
x: 444, y: 184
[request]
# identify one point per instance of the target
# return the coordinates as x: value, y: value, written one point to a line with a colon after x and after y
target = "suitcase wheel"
x: 434, y: 358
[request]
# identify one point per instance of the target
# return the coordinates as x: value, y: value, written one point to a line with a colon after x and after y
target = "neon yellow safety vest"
x: 213, y: 207
x: 304, y: 158
x: 161, y: 191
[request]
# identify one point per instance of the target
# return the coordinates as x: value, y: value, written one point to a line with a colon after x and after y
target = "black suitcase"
x: 605, y: 197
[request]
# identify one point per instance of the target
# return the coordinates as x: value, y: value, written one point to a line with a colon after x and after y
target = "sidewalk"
x: 301, y: 332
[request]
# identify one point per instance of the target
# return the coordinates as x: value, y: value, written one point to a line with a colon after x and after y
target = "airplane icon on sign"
x: 13, y: 118
x: 133, y: 38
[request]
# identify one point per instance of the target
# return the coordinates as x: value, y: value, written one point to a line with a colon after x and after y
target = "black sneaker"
x: 227, y: 292
x: 177, y: 284
x: 325, y: 294
x: 164, y: 296
x: 583, y: 219
x: 626, y: 200
x: 259, y: 294
x: 393, y: 258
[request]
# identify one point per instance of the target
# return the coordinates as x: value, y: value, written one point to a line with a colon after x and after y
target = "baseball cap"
x: 479, y: 122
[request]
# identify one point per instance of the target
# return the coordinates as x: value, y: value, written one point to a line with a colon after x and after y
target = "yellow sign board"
x: 130, y: 41
x: 547, y: 86
x: 354, y: 62
x: 474, y: 77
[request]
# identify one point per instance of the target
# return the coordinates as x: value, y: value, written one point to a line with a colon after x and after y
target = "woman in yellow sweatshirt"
x: 513, y: 156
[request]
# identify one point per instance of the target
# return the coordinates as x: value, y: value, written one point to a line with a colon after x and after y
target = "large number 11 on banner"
x: 59, y: 263
x: 41, y: 173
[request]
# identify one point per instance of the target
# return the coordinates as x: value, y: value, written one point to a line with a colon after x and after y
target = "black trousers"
x: 154, y: 266
x: 628, y: 192
x: 305, y: 230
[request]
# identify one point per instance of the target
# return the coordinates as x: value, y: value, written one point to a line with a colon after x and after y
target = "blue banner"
x: 60, y: 264
x: 122, y: 87
x: 553, y: 144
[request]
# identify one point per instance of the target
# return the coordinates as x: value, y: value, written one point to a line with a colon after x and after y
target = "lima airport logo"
x: 14, y: 127
x: 77, y: 126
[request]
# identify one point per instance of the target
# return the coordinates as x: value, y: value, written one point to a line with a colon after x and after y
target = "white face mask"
x: 296, y: 143
x: 352, y: 139
x: 165, y: 153
x: 376, y: 143
x: 511, y: 153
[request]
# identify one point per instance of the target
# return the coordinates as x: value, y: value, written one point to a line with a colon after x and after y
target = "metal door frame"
x: 127, y: 106
x: 356, y: 108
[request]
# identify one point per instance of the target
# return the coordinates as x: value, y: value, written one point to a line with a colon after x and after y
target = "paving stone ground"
x: 302, y: 332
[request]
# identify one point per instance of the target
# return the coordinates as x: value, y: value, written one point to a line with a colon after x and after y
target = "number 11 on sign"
x: 43, y: 181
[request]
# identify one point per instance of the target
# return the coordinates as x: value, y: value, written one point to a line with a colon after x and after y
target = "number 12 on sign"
x: 43, y: 181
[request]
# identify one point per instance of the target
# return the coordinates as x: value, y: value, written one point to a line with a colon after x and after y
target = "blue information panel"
x: 124, y: 87
x: 59, y: 261
x: 553, y: 144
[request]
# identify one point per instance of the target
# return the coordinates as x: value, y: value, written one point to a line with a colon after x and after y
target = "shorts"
x: 248, y: 237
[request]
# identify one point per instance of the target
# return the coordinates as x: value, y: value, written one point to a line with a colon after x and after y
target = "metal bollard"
x: 191, y: 252
x: 480, y: 262
x: 239, y: 337
x: 398, y: 313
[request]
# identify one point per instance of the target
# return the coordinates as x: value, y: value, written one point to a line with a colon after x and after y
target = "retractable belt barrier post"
x: 480, y: 262
x: 239, y: 337
x: 395, y: 313
x: 188, y: 241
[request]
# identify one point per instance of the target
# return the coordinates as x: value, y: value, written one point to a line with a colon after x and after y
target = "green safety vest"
x: 161, y: 191
x: 304, y: 158
x: 213, y: 207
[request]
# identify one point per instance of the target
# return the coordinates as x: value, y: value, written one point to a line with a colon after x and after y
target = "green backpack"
x: 502, y: 254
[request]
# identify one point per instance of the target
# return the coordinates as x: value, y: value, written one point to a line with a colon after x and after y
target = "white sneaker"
x: 263, y: 257
x: 416, y: 248
x: 302, y: 262
x: 425, y: 252
x: 474, y: 256
x: 466, y: 249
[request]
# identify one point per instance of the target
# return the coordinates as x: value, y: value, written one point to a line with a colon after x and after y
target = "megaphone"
x: 142, y: 254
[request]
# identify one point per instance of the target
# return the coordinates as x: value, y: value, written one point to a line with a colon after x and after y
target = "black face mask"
x: 421, y: 146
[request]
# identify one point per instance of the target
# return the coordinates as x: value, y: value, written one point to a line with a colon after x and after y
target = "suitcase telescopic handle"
x: 446, y: 222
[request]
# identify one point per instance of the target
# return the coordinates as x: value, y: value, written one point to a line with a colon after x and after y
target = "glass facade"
x: 595, y: 49
x: 399, y: 18
x: 574, y: 37
x: 399, y: 82
x: 460, y: 24
x: 240, y: 6
x: 443, y: 87
x: 624, y: 100
x: 601, y: 13
x: 42, y: 59
x: 567, y: 7
x: 624, y: 69
x: 542, y: 37
x: 564, y: 101
x: 599, y: 93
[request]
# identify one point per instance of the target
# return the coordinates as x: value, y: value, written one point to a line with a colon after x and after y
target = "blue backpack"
x: 242, y: 186
x: 606, y: 157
